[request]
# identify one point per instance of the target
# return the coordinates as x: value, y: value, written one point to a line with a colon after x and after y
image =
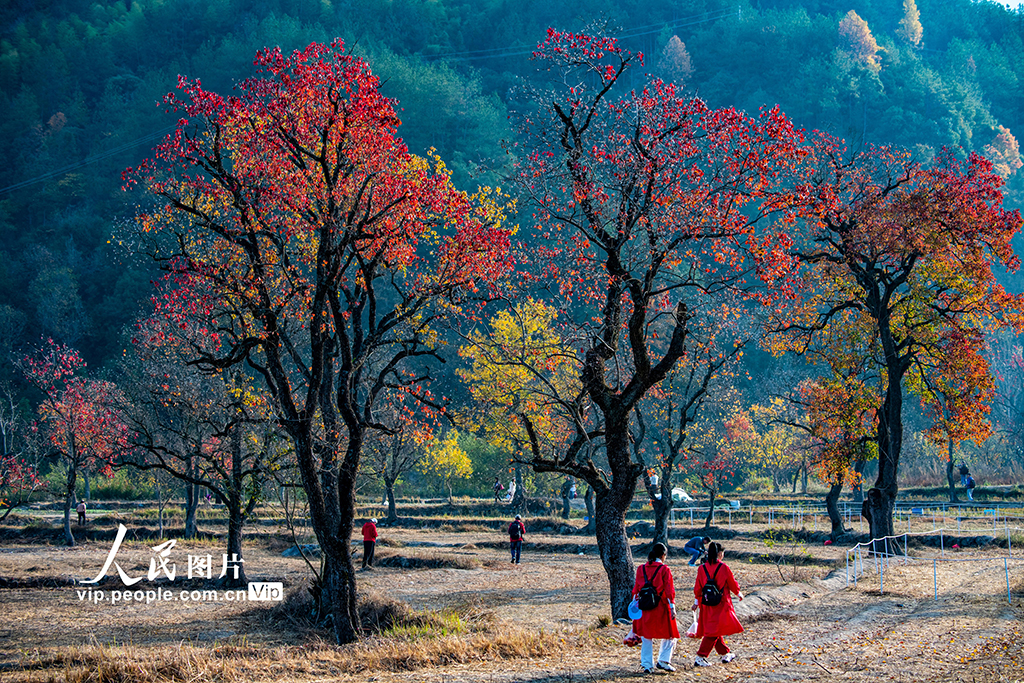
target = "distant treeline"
x: 80, y: 83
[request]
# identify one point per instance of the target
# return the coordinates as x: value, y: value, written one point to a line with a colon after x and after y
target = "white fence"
x: 920, y: 516
x: 883, y: 553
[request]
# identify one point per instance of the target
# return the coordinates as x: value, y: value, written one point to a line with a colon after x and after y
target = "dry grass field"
x: 476, y: 617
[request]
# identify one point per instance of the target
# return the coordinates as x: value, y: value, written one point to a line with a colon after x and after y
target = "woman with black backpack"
x: 655, y: 594
x: 713, y: 593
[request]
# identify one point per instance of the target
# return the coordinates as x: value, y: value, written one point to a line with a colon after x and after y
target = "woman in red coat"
x: 719, y: 620
x: 659, y: 622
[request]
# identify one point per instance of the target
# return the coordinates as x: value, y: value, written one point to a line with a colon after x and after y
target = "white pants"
x: 647, y: 652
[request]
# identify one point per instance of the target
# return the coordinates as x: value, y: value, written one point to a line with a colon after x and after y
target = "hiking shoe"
x: 700, y: 661
x: 646, y: 670
x: 665, y: 666
x: 728, y: 657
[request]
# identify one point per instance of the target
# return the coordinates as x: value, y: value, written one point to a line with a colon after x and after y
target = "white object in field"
x: 734, y: 504
x: 654, y: 480
x: 681, y: 495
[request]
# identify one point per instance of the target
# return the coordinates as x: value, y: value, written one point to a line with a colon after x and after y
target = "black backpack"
x: 648, y: 598
x: 711, y: 594
x: 514, y: 531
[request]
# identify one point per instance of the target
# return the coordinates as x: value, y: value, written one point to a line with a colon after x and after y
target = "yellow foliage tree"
x: 771, y: 442
x: 1004, y: 152
x: 910, y: 28
x: 446, y: 460
x: 522, y: 372
x: 858, y: 42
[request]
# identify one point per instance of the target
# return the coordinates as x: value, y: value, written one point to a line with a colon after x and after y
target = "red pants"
x: 707, y: 642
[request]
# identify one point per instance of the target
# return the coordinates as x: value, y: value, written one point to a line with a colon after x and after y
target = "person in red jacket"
x: 719, y: 620
x: 369, y: 542
x: 516, y: 531
x: 659, y: 622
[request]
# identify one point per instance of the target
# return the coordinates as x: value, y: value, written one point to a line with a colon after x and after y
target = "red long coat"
x: 658, y: 622
x: 719, y: 620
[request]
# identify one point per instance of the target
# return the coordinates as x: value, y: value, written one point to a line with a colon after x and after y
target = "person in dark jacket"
x: 719, y: 620
x: 659, y: 622
x: 516, y: 531
x: 369, y: 543
x: 695, y: 548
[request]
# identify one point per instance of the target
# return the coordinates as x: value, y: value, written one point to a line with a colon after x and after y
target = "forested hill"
x: 80, y: 81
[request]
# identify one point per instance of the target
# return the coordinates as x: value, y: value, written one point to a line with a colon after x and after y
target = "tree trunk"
x: 519, y: 499
x: 87, y: 492
x: 858, y: 466
x: 803, y: 479
x: 588, y: 498
x: 881, y: 500
x: 389, y: 487
x: 950, y: 477
x: 662, y: 509
x: 191, y: 505
x: 235, y: 491
x: 832, y: 506
x: 616, y: 555
x: 69, y: 502
x: 711, y: 509
x: 235, y: 524
x: 159, y: 507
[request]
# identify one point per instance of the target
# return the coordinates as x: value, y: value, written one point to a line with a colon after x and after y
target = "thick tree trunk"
x: 69, y: 502
x: 235, y: 524
x: 881, y: 500
x: 389, y: 488
x: 832, y: 506
x: 950, y: 476
x: 616, y: 555
x: 588, y: 498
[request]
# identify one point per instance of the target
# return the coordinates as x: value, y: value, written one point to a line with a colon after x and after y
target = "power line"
x: 87, y: 161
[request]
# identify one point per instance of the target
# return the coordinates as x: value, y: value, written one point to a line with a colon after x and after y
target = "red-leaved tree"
x: 78, y: 417
x: 640, y: 200
x: 903, y: 255
x: 322, y: 253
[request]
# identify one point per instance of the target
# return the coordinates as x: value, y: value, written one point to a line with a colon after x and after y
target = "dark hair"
x: 714, y: 552
x: 657, y: 550
x: 706, y: 539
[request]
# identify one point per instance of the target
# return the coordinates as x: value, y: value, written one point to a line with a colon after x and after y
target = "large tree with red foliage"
x: 899, y: 259
x: 324, y: 253
x: 78, y: 417
x: 640, y: 201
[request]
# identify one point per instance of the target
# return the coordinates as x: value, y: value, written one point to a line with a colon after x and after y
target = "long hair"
x: 714, y: 552
x: 658, y: 550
